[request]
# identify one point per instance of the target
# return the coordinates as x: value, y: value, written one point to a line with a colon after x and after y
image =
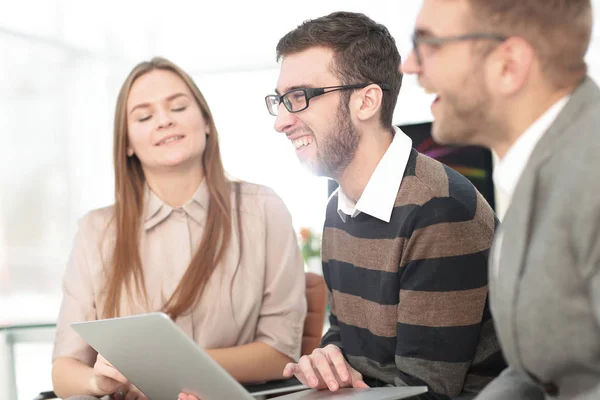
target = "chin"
x: 448, y: 134
x: 174, y: 162
x: 438, y: 133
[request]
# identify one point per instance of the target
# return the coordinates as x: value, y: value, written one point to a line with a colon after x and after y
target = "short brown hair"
x: 364, y: 51
x: 558, y: 30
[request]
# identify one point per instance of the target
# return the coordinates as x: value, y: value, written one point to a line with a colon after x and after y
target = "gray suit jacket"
x: 545, y: 292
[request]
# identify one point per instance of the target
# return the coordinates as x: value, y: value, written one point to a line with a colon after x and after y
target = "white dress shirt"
x: 381, y: 191
x: 508, y: 170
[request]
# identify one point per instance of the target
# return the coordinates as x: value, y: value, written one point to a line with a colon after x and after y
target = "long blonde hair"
x: 126, y: 266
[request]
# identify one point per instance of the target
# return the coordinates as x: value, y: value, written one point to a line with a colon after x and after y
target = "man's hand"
x: 325, y: 368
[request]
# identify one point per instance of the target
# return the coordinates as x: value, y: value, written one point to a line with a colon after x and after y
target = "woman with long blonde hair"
x: 219, y: 257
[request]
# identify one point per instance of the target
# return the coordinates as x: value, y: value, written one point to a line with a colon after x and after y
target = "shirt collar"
x: 156, y: 210
x: 379, y: 196
x: 508, y: 170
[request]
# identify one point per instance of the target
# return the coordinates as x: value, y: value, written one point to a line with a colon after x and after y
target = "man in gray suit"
x: 510, y: 75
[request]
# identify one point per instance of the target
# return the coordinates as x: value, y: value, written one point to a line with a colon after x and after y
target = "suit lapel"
x: 517, y: 224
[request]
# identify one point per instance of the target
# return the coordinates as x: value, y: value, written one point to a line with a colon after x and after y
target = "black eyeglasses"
x: 418, y: 39
x: 297, y: 100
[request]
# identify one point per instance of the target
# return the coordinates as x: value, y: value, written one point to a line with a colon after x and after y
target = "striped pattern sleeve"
x: 443, y: 294
x: 332, y: 336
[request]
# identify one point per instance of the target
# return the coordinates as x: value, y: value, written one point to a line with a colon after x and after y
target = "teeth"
x: 168, y: 140
x: 301, y: 142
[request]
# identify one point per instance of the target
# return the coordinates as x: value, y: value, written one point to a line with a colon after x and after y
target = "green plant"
x: 310, y: 244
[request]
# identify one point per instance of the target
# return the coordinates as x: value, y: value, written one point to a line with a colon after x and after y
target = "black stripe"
x: 462, y: 190
x: 377, y: 286
x: 365, y: 226
x: 411, y: 165
x: 487, y: 314
x: 404, y: 219
x: 490, y: 367
x: 446, y: 273
x: 361, y: 342
x: 442, y: 210
x: 333, y: 337
x: 447, y: 344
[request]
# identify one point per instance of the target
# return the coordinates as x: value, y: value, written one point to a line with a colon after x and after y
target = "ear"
x: 510, y: 66
x: 129, y: 151
x: 367, y: 102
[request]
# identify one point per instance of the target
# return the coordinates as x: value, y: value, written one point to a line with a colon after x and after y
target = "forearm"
x: 253, y: 362
x: 332, y: 336
x: 71, y: 377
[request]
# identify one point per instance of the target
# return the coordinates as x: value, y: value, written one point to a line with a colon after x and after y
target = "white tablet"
x: 379, y: 393
x: 161, y: 360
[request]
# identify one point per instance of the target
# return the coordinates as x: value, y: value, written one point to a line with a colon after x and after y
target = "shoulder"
x: 96, y: 222
x: 439, y: 194
x: 258, y: 200
x: 440, y: 179
x: 254, y: 193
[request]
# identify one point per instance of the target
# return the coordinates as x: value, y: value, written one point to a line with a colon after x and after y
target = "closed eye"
x: 179, y: 109
x: 144, y: 118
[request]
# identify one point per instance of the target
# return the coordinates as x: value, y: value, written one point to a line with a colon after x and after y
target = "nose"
x: 284, y: 120
x: 164, y: 119
x: 410, y: 65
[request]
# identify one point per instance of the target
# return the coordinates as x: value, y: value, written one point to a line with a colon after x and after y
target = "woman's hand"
x: 129, y: 392
x: 106, y: 379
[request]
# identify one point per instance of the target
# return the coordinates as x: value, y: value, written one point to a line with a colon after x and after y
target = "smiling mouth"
x: 170, y: 139
x: 302, y: 142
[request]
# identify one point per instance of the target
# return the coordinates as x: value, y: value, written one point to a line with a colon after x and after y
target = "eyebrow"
x: 294, y: 88
x: 169, y: 98
x: 423, y: 32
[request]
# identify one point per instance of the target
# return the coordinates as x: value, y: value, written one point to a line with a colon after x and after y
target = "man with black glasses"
x: 406, y: 239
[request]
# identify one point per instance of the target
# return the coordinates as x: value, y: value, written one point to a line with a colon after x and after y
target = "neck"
x: 522, y: 114
x: 373, y: 145
x: 175, y: 187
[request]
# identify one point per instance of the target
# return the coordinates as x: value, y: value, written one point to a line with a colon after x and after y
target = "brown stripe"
x: 372, y: 254
x: 484, y: 213
x: 433, y: 174
x: 412, y: 191
x: 352, y: 310
x: 448, y: 239
x: 442, y: 309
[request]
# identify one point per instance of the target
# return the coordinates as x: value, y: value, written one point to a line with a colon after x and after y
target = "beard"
x: 339, y: 147
x: 466, y: 115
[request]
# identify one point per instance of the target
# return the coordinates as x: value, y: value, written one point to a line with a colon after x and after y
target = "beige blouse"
x: 267, y: 302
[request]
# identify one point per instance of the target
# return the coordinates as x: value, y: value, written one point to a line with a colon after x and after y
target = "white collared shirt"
x: 508, y: 171
x: 381, y: 191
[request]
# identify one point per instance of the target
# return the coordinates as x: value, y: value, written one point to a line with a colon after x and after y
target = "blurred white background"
x: 61, y: 65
